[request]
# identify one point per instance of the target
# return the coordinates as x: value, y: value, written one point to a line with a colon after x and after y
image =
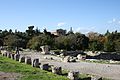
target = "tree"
x: 117, y: 45
x: 1, y: 42
x: 96, y: 46
x: 109, y: 46
x: 11, y: 41
x: 107, y: 33
x: 35, y: 43
x: 30, y: 32
x: 66, y: 42
x: 93, y: 36
x: 23, y: 38
x: 82, y: 41
x: 10, y: 31
x: 37, y: 32
x: 40, y: 40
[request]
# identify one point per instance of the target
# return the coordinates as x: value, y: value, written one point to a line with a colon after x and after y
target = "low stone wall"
x: 106, y: 56
x: 70, y: 53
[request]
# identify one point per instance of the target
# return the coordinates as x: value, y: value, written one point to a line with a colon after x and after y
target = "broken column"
x: 44, y: 66
x: 45, y: 49
x: 73, y: 75
x: 35, y: 63
x: 81, y: 57
x: 22, y: 59
x: 12, y: 56
x: 63, y: 53
x: 16, y: 57
x: 56, y: 70
x: 8, y: 55
x: 66, y: 59
x: 4, y: 54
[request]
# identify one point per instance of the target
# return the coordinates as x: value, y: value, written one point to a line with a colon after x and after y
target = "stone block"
x: 16, y: 57
x: 66, y: 59
x: 45, y: 49
x: 8, y: 55
x: 35, y: 63
x: 4, y: 54
x: 72, y: 75
x: 12, y: 56
x: 56, y: 70
x: 44, y: 67
x: 96, y: 78
x: 22, y: 59
x: 27, y: 60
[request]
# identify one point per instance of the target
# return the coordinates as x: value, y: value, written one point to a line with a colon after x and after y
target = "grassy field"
x: 27, y: 72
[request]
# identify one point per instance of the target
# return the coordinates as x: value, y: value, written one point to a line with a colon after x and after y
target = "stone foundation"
x: 73, y: 75
x: 27, y: 60
x: 22, y: 59
x: 44, y: 67
x: 56, y: 70
x: 16, y: 57
x: 35, y: 63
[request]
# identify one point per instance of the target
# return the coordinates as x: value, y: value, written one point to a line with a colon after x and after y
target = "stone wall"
x: 106, y: 56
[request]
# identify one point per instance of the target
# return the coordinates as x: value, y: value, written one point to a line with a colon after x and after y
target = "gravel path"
x: 8, y: 76
x: 105, y: 70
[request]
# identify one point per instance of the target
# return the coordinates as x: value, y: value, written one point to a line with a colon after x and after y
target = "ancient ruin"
x: 45, y: 49
x: 35, y: 63
x: 27, y: 60
x: 72, y: 75
x: 16, y: 57
x: 44, y: 66
x: 22, y: 59
x: 57, y: 70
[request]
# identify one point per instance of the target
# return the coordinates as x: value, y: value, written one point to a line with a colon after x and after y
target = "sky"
x: 82, y: 15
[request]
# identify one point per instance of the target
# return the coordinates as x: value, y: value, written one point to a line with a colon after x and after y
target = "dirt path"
x: 9, y: 76
x: 104, y: 70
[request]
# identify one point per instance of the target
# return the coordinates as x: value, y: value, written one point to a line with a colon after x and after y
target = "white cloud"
x: 61, y: 24
x: 118, y: 22
x: 85, y: 30
x: 114, y: 21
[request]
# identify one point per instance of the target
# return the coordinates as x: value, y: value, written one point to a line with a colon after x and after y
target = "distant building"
x: 59, y: 32
x: 71, y: 31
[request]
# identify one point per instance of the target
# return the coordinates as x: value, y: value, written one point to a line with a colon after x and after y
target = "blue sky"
x: 82, y: 15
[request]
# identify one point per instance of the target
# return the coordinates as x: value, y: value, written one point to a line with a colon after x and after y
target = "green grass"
x: 27, y: 71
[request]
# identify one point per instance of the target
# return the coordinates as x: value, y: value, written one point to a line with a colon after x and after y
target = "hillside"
x: 24, y: 72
